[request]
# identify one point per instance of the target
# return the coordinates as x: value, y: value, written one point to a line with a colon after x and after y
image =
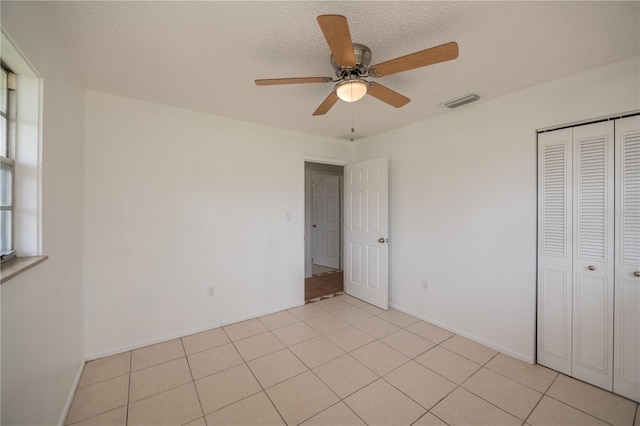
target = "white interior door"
x: 366, y: 231
x: 325, y: 219
x: 626, y: 379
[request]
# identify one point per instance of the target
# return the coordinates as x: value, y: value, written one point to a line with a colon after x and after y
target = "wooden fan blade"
x: 336, y: 31
x: 387, y: 95
x: 434, y: 55
x: 326, y: 105
x: 296, y: 80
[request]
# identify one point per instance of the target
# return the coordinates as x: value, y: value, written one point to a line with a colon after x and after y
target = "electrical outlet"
x: 425, y: 285
x: 211, y: 291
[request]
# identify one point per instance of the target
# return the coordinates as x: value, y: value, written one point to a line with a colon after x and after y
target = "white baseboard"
x: 164, y: 338
x: 72, y: 393
x: 526, y: 358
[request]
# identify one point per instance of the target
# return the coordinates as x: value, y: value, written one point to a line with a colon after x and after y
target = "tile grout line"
x: 563, y: 402
x: 104, y: 380
x: 99, y: 382
x: 576, y: 408
x: 517, y: 381
x: 126, y: 419
x: 314, y: 373
x: 160, y: 363
x: 382, y: 377
x: 403, y: 393
x: 340, y: 400
x: 435, y: 372
x: 379, y: 377
x: 534, y: 408
x: 429, y: 412
x: 464, y: 381
x: 255, y: 378
x: 477, y: 396
x: 102, y: 412
x: 360, y: 388
x: 489, y: 402
x: 168, y: 389
x: 193, y: 380
x: 329, y: 387
x: 456, y: 386
x: 552, y: 382
x: 232, y: 366
x: 75, y: 393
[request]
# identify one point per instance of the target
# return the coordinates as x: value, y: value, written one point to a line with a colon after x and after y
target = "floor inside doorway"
x: 319, y: 269
x: 323, y: 285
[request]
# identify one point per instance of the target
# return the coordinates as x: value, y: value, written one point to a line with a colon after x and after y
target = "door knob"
x: 591, y: 268
x: 314, y: 225
x: 381, y: 240
x: 636, y: 274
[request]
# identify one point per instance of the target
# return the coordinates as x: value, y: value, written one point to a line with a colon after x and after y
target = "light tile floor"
x: 335, y: 362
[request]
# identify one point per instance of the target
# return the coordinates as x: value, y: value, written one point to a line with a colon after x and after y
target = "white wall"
x: 463, y: 203
x: 176, y: 201
x: 42, y: 309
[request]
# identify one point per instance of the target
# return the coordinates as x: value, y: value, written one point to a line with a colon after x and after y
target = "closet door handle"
x: 636, y: 274
x: 591, y: 268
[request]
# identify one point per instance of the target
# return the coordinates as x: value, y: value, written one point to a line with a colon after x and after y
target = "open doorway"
x: 323, y: 231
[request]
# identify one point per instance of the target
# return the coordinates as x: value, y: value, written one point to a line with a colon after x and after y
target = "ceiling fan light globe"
x: 351, y: 91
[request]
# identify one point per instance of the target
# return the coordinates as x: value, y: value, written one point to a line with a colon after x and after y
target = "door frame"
x: 305, y: 223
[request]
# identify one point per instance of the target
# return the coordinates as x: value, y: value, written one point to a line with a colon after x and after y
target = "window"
x: 21, y: 90
x: 7, y: 163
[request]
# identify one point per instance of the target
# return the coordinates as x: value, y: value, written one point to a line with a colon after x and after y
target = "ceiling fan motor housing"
x: 363, y: 58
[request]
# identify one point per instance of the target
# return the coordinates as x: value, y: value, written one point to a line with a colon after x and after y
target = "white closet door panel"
x: 555, y: 184
x: 555, y: 251
x: 592, y: 330
x: 554, y: 319
x: 627, y: 262
x: 593, y: 265
x: 626, y: 380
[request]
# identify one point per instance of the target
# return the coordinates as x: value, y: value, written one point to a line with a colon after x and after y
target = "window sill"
x: 17, y: 266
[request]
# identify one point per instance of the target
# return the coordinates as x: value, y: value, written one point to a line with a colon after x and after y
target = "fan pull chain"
x: 352, y: 120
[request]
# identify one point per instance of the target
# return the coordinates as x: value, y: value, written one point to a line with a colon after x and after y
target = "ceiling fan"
x: 351, y: 64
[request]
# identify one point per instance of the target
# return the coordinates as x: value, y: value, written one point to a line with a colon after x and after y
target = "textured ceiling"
x: 205, y: 55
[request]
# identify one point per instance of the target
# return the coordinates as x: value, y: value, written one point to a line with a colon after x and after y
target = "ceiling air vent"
x: 467, y: 99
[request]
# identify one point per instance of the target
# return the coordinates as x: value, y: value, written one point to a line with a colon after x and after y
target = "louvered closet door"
x: 593, y: 265
x: 627, y: 259
x: 555, y: 251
